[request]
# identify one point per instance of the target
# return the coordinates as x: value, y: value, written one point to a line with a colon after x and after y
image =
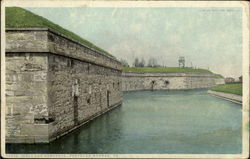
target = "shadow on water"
x: 155, y: 122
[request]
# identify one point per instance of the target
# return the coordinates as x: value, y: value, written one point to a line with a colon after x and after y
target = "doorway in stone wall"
x: 75, y: 100
x: 75, y: 106
x: 152, y: 85
x: 108, y: 92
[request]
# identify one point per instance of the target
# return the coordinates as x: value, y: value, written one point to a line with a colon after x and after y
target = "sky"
x: 209, y: 38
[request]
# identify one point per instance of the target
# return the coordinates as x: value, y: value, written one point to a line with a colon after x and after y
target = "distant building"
x: 229, y: 80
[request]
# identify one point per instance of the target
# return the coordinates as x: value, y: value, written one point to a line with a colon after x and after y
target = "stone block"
x: 9, y: 93
x: 28, y: 118
x: 34, y: 129
x: 20, y: 93
x: 16, y: 139
x: 40, y: 76
x: 41, y: 139
x: 29, y: 139
x: 26, y: 77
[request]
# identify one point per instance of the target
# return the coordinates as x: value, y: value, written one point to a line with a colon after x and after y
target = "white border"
x: 80, y: 3
x: 3, y: 102
x: 122, y: 3
x: 246, y: 74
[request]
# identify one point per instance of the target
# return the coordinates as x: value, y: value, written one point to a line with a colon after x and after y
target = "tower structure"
x: 181, y: 61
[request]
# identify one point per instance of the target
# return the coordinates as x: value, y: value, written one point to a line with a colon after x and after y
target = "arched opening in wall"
x: 100, y: 99
x: 75, y: 106
x: 166, y: 83
x: 88, y: 68
x: 72, y: 63
x: 69, y: 63
x: 88, y: 100
x: 108, y: 94
x: 152, y: 85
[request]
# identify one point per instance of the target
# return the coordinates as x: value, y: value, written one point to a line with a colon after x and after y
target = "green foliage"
x: 20, y: 18
x: 235, y: 88
x: 164, y: 69
x: 218, y: 76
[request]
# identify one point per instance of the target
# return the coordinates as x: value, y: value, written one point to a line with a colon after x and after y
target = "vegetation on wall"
x: 234, y: 88
x: 16, y: 17
x: 164, y: 69
x: 218, y: 75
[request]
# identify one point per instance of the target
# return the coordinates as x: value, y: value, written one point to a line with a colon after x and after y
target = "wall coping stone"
x: 63, y: 36
x: 168, y: 74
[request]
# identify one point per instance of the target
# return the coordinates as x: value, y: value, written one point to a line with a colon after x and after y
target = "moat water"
x: 149, y: 122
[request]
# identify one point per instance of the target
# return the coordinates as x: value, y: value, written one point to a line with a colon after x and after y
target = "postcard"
x: 124, y: 79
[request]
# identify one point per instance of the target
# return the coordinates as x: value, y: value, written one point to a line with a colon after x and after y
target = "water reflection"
x: 155, y: 122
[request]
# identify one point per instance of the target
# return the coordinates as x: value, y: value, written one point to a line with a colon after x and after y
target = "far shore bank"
x: 227, y: 96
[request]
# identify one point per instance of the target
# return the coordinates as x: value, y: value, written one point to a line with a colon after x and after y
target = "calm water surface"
x: 155, y: 122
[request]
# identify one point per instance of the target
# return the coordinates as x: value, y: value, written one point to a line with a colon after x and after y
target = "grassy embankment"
x: 167, y: 69
x: 164, y: 69
x: 218, y: 75
x: 234, y: 88
x: 20, y: 18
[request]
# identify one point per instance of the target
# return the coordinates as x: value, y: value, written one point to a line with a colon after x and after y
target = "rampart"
x: 55, y: 84
x: 227, y: 96
x: 132, y: 81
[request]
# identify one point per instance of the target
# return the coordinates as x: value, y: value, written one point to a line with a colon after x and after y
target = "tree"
x: 124, y: 63
x: 152, y: 62
x: 136, y: 62
x: 142, y: 63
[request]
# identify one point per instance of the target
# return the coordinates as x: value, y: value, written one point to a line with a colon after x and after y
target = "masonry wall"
x: 168, y: 81
x: 54, y: 85
x: 98, y: 89
x: 26, y: 97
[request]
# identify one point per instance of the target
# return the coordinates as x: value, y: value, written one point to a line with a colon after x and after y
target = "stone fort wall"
x: 55, y: 84
x: 132, y: 81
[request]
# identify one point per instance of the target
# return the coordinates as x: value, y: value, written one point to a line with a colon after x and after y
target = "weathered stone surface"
x: 92, y: 96
x: 48, y: 41
x: 26, y: 41
x: 26, y: 96
x: 41, y: 139
x: 168, y: 81
x: 49, y: 94
x: 34, y: 130
x: 54, y: 84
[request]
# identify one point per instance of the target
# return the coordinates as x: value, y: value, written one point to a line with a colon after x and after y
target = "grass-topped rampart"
x: 234, y: 88
x: 218, y: 76
x: 164, y: 70
x: 21, y: 18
